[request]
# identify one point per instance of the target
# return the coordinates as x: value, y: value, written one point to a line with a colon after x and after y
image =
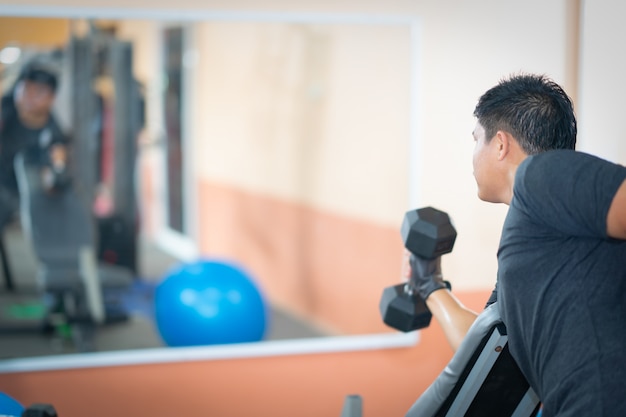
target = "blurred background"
x: 290, y: 140
x: 252, y: 142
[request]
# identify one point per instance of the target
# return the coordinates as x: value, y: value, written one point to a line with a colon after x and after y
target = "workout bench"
x: 481, y: 379
x: 61, y: 230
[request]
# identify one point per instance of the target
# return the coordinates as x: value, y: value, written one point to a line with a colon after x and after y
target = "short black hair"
x: 40, y: 74
x: 533, y: 108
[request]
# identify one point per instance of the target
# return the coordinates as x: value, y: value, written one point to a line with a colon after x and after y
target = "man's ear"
x: 503, y: 141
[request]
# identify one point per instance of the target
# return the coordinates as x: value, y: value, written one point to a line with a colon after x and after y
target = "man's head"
x: 522, y: 115
x: 35, y: 90
x: 533, y: 109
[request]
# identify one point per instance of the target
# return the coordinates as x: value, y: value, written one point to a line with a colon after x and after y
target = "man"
x: 27, y: 126
x: 561, y: 286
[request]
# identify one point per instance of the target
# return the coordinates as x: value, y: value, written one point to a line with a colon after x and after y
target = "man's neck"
x: 518, y: 159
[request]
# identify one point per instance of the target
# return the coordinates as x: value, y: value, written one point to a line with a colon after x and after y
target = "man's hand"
x: 55, y: 176
x: 424, y: 275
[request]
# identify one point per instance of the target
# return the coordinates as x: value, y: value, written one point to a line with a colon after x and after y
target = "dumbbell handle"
x: 409, y: 290
x: 425, y: 277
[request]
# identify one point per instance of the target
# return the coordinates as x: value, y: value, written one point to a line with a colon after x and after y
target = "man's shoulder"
x: 556, y: 161
x: 537, y: 164
x: 553, y: 156
x: 547, y: 171
x: 553, y: 172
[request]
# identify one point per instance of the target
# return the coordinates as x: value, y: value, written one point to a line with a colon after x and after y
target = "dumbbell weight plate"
x: 402, y: 310
x: 428, y: 232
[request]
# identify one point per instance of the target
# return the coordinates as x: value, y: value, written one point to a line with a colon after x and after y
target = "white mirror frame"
x: 266, y: 348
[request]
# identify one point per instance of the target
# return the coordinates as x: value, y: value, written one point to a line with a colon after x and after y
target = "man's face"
x: 485, y: 159
x: 33, y: 98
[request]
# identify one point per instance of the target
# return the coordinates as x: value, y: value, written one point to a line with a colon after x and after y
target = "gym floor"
x: 20, y: 334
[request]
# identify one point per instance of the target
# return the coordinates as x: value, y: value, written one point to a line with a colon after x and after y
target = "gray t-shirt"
x: 562, y: 284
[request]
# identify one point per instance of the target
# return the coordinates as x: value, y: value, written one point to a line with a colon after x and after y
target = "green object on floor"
x: 25, y: 311
x: 64, y: 330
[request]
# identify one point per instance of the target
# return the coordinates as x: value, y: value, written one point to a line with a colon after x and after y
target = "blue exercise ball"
x: 209, y: 302
x: 9, y: 406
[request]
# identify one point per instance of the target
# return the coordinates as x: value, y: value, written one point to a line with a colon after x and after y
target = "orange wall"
x: 34, y: 31
x: 324, y: 266
x: 284, y: 386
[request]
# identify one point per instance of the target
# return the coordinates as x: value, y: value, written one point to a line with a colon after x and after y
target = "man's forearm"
x: 452, y: 316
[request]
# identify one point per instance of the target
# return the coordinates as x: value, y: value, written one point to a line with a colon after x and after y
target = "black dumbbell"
x: 40, y: 410
x: 427, y: 233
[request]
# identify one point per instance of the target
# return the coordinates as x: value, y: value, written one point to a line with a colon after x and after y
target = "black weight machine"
x: 86, y: 241
x: 107, y: 108
x: 482, y: 379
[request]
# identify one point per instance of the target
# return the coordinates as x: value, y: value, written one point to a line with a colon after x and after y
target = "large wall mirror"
x: 283, y: 143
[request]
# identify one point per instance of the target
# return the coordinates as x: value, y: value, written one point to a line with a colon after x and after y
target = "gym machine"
x: 40, y: 410
x: 88, y: 258
x: 102, y: 244
x: 105, y: 95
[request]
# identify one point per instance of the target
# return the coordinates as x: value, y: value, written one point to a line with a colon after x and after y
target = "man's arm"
x: 616, y: 218
x: 454, y: 318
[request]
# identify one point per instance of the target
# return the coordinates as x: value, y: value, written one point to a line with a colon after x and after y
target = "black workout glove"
x: 426, y: 276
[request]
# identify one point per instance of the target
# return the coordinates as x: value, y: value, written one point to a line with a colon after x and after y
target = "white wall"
x: 314, y: 114
x: 602, y: 130
x: 466, y: 47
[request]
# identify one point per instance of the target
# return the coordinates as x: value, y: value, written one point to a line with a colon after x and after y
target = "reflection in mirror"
x: 278, y: 146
